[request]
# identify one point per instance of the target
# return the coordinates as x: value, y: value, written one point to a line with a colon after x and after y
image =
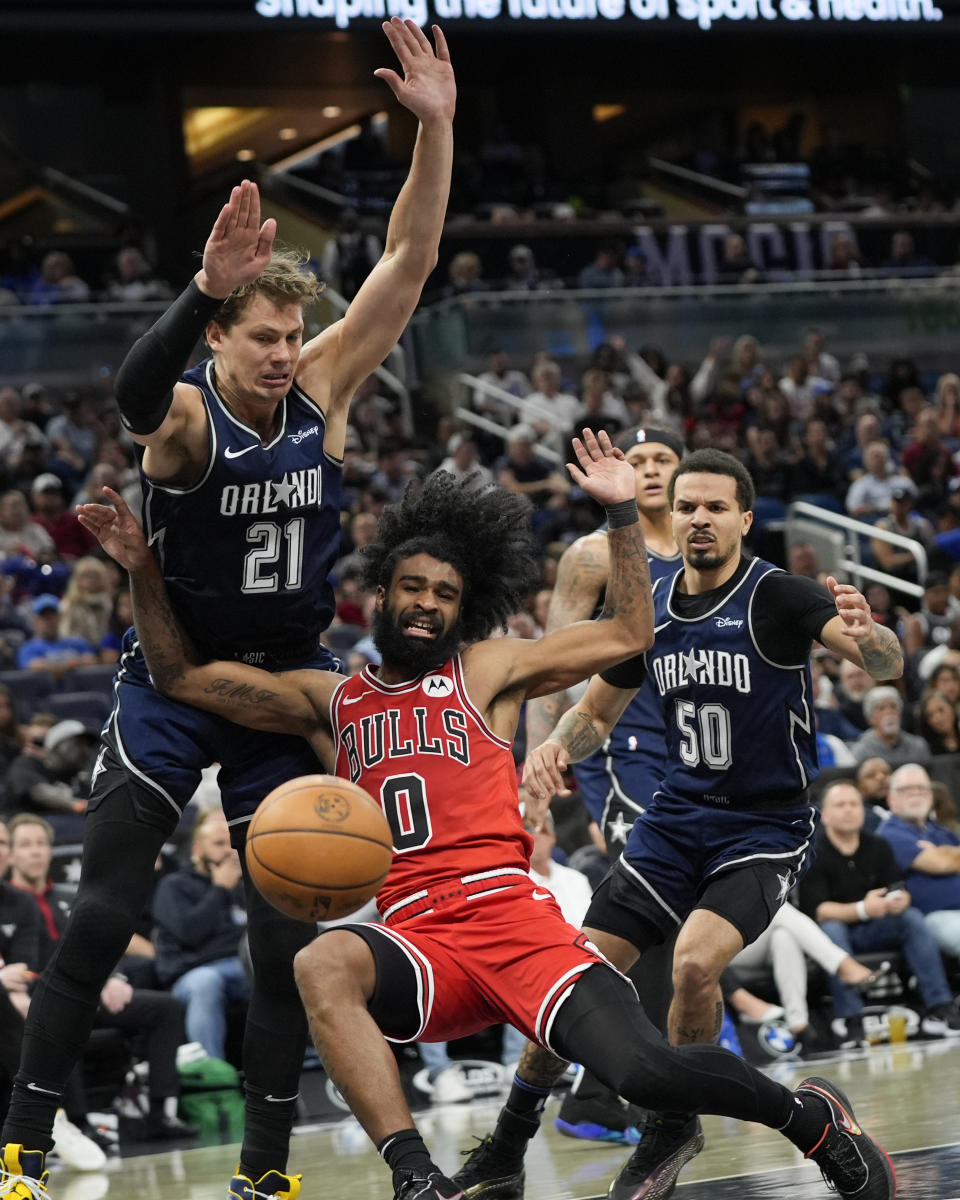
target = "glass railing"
x: 881, y: 318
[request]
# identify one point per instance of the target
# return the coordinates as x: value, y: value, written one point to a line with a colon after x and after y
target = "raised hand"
x: 427, y: 88
x: 853, y: 609
x: 116, y: 530
x: 238, y: 247
x: 603, y: 473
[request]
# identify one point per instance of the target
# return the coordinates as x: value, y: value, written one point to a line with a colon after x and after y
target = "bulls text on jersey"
x: 377, y: 737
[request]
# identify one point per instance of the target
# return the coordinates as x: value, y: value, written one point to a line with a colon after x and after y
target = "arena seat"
x: 97, y: 678
x: 92, y: 708
x: 29, y: 688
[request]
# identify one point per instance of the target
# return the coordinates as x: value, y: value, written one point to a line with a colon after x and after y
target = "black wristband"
x: 155, y: 362
x: 622, y: 514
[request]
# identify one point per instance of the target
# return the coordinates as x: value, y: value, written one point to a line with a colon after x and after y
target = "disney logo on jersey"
x: 297, y: 489
x: 714, y: 668
x: 727, y: 622
x: 437, y: 685
x: 299, y: 436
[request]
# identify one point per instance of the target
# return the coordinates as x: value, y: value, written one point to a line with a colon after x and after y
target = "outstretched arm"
x: 295, y: 702
x: 339, y: 359
x: 857, y: 636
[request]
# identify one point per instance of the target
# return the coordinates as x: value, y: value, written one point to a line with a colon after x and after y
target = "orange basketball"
x: 318, y: 848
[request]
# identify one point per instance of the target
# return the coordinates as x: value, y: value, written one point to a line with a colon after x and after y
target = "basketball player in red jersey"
x: 468, y: 939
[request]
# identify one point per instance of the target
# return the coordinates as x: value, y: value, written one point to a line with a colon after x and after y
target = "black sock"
x: 405, y: 1149
x: 527, y: 1099
x: 809, y: 1117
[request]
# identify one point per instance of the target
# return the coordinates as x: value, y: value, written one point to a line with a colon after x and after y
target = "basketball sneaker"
x: 494, y: 1168
x: 272, y: 1186
x: 666, y: 1146
x: 22, y: 1176
x: 409, y: 1183
x: 851, y: 1163
x: 601, y: 1118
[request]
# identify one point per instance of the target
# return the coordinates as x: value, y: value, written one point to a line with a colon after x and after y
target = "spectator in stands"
x: 821, y: 364
x: 603, y: 271
x: 11, y: 735
x: 769, y: 467
x: 722, y: 420
x: 802, y: 560
x: 49, y: 650
x: 520, y: 470
x: 500, y: 374
x: 199, y: 917
x: 945, y: 679
x: 843, y: 257
x: 735, y: 264
x: 50, y: 776
x: 636, y: 272
x: 853, y: 889
x: 947, y: 403
x: 121, y: 619
x: 798, y: 387
x: 927, y: 854
x: 819, y: 470
x: 154, y: 1017
x: 393, y: 471
x: 73, y: 436
x: 903, y: 520
x: 928, y: 460
x: 873, y: 781
x: 550, y: 411
x: 938, y: 723
x: 16, y: 433
x: 19, y: 946
x: 903, y: 259
x: 933, y: 624
x: 945, y: 810
x: 18, y: 533
x: 133, y: 280
x: 58, y: 282
x: 866, y: 429
x: 883, y: 708
x: 50, y: 510
x: 870, y: 494
x: 463, y: 459
x: 88, y: 601
x: 599, y: 402
x: 464, y: 275
x: 523, y: 274
x: 349, y: 255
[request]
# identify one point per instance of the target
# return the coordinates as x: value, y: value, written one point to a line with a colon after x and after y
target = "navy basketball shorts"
x: 616, y: 789
x: 682, y: 855
x: 163, y: 745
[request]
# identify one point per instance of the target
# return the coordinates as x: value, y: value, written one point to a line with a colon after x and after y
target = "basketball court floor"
x: 908, y: 1096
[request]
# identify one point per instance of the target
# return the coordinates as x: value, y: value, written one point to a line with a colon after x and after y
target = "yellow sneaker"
x: 22, y: 1175
x: 272, y: 1186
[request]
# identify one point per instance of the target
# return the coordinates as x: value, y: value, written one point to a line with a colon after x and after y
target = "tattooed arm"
x: 294, y: 702
x: 856, y: 635
x: 581, y: 581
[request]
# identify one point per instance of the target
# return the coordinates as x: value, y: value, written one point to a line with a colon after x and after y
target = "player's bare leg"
x: 706, y: 944
x: 336, y: 975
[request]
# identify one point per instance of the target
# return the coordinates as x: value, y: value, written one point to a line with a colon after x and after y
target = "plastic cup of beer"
x: 897, y: 1025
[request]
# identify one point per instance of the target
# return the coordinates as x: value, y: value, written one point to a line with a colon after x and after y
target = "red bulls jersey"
x: 447, y: 785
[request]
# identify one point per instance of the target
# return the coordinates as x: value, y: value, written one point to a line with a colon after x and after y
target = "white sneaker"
x: 449, y: 1087
x: 74, y: 1148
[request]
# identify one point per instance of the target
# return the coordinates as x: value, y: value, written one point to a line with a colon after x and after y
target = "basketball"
x: 318, y: 848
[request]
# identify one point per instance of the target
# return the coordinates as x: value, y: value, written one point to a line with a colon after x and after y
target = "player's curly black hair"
x: 485, y: 535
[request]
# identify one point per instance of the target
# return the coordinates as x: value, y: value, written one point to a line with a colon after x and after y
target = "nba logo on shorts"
x: 437, y: 685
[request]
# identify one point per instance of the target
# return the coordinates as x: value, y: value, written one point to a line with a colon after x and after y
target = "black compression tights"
x: 603, y: 1027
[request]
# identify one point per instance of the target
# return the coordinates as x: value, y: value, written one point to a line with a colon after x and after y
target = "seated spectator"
x: 928, y: 854
x: 121, y: 619
x: 938, y: 723
x: 350, y: 255
x: 928, y: 460
x: 947, y: 402
x: 819, y: 469
x: 463, y: 460
x: 151, y: 1017
x: 88, y: 601
x: 11, y: 735
x: 464, y: 275
x: 873, y: 780
x: 904, y: 260
x: 199, y: 914
x: 50, y: 510
x: 523, y: 274
x: 52, y: 774
x: 768, y: 466
x: 73, y: 437
x: 821, y: 364
x: 500, y: 374
x: 393, y: 471
x: 798, y: 387
x: 19, y: 534
x: 16, y: 432
x: 48, y: 650
x: 870, y: 494
x: 736, y: 265
x: 550, y: 411
x: 521, y: 471
x: 933, y: 624
x: 945, y: 679
x: 133, y: 280
x: 602, y: 271
x: 854, y: 891
x: 58, y: 282
x: 784, y: 946
x: 903, y: 520
x: 883, y: 708
x: 850, y: 690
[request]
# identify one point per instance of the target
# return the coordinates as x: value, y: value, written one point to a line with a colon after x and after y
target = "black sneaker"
x: 412, y: 1184
x: 941, y: 1021
x: 494, y: 1168
x: 650, y: 1173
x: 854, y: 1038
x: 604, y: 1118
x: 851, y: 1163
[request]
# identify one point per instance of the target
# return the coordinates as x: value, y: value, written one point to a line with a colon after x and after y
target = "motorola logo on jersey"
x: 715, y: 668
x: 437, y: 685
x: 297, y: 489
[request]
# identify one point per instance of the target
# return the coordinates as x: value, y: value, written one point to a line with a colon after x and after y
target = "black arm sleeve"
x: 789, y: 612
x: 627, y: 675
x: 154, y: 363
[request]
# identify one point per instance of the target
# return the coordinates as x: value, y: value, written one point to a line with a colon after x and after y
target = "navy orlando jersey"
x: 739, y: 728
x: 618, y: 781
x: 246, y: 550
